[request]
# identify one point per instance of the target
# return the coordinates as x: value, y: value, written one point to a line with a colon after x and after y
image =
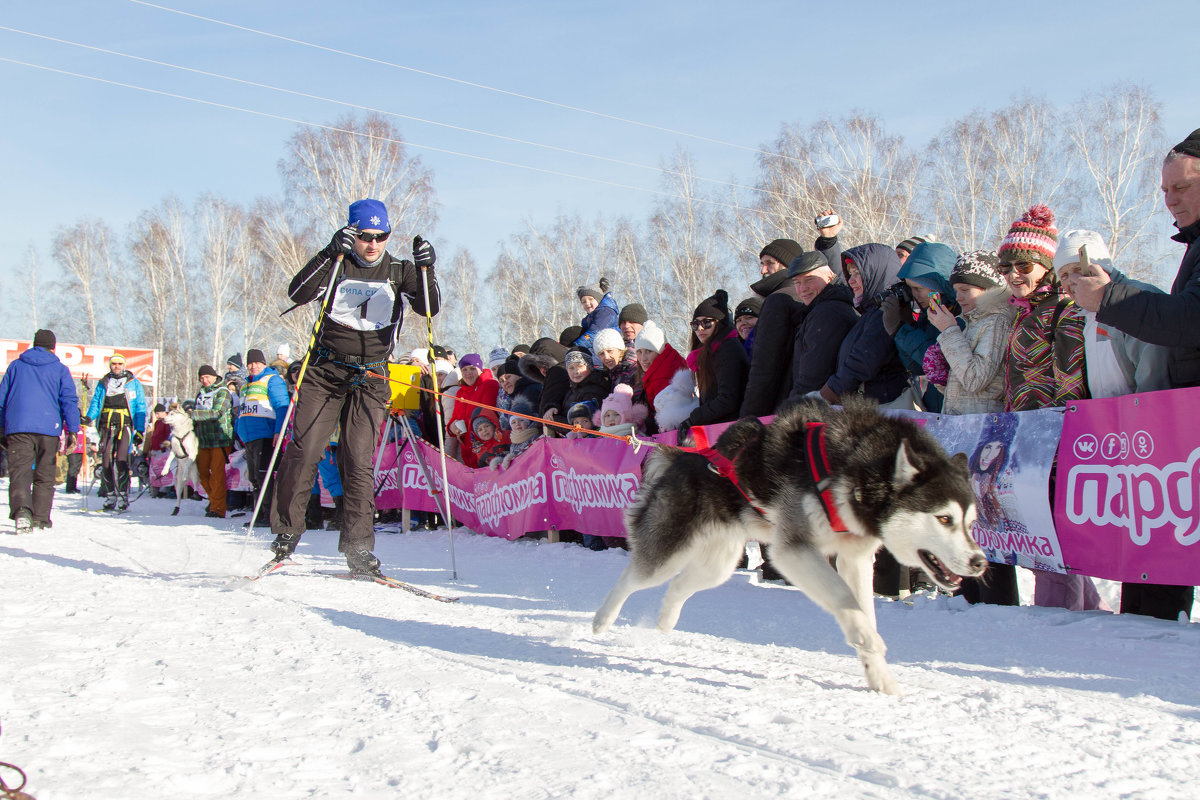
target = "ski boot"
x: 363, y: 562
x: 284, y: 545
x: 122, y: 504
x: 110, y: 502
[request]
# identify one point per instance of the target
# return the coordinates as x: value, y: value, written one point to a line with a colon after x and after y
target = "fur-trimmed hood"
x: 543, y: 354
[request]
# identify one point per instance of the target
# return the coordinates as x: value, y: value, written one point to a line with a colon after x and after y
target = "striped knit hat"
x: 1033, y: 237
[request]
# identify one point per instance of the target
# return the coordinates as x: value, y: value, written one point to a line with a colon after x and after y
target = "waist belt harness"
x: 361, y: 365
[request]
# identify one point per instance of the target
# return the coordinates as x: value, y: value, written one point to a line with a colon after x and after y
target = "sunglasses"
x: 1023, y: 267
x: 363, y: 236
x: 703, y: 324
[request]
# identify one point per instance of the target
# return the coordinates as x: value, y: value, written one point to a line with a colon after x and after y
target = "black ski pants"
x: 333, y: 393
x: 31, y: 474
x: 258, y: 458
x: 114, y: 455
x: 74, y: 464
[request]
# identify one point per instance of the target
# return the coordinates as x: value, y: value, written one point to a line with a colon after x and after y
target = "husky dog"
x: 184, y: 447
x: 883, y: 481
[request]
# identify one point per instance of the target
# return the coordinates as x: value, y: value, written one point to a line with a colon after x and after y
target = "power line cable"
x: 337, y: 129
x: 348, y: 104
x: 555, y: 104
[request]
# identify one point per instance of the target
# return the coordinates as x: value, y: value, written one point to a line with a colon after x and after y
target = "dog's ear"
x: 905, y: 472
x: 736, y: 436
x: 959, y: 462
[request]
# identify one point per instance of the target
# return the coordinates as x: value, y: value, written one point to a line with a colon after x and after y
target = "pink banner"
x: 565, y: 484
x: 1127, y: 505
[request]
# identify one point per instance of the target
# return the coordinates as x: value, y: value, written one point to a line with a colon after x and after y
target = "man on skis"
x: 118, y: 409
x: 358, y: 329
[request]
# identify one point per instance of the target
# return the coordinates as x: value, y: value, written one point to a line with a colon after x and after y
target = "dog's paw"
x: 600, y: 624
x: 879, y: 677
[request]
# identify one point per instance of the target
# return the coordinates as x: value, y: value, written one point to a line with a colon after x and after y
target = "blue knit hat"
x: 369, y: 215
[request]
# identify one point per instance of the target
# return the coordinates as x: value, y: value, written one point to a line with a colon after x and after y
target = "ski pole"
x: 440, y: 426
x: 312, y: 343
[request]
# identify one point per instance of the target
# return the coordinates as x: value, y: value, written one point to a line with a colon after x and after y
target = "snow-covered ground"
x: 133, y: 664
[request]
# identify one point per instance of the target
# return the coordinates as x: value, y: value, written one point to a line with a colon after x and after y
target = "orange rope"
x: 630, y: 440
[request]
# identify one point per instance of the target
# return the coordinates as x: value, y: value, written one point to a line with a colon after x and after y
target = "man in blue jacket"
x: 260, y: 423
x: 118, y: 408
x: 37, y: 400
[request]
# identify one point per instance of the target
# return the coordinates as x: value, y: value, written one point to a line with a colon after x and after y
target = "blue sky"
x: 73, y: 148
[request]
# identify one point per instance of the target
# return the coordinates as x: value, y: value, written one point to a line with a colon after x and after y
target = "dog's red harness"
x: 818, y: 463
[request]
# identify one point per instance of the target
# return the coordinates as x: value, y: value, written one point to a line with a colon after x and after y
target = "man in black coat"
x: 770, y: 380
x: 1171, y: 320
x: 829, y: 317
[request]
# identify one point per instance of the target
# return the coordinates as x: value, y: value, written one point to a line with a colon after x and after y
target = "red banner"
x: 91, y: 360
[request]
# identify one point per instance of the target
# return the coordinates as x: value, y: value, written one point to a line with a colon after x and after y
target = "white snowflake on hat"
x: 375, y: 220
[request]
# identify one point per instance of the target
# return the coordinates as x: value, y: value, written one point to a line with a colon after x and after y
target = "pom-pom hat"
x: 715, y: 306
x: 1033, y: 237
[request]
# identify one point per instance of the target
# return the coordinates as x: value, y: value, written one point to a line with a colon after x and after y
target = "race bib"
x: 204, y: 402
x: 363, y: 305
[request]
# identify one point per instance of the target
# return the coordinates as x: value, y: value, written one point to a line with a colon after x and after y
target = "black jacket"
x: 721, y: 402
x: 1172, y: 320
x: 594, y: 388
x: 830, y: 317
x: 547, y: 354
x: 358, y: 285
x: 769, y: 378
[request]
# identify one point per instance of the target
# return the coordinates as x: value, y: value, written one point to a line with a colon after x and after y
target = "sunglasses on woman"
x: 1023, y: 267
x: 703, y: 323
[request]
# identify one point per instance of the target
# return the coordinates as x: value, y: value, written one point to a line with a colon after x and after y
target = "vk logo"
x: 1085, y: 447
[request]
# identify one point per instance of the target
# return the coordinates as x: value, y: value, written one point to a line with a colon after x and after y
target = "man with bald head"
x: 1171, y: 320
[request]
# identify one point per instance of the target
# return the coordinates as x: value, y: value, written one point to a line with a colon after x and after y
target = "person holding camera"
x: 926, y: 273
x: 357, y: 331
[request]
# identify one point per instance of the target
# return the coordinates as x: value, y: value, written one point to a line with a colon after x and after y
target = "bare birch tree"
x: 460, y: 323
x: 326, y: 169
x: 688, y: 249
x: 167, y: 300
x: 82, y: 252
x: 1118, y: 137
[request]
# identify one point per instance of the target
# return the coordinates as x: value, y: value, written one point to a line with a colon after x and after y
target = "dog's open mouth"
x: 938, y: 572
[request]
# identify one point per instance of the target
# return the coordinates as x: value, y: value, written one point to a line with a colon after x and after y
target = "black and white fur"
x: 893, y: 486
x: 185, y: 446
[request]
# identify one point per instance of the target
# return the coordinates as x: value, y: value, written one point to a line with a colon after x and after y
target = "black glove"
x: 423, y: 255
x: 892, y: 315
x: 138, y: 439
x: 342, y: 242
x: 85, y: 421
